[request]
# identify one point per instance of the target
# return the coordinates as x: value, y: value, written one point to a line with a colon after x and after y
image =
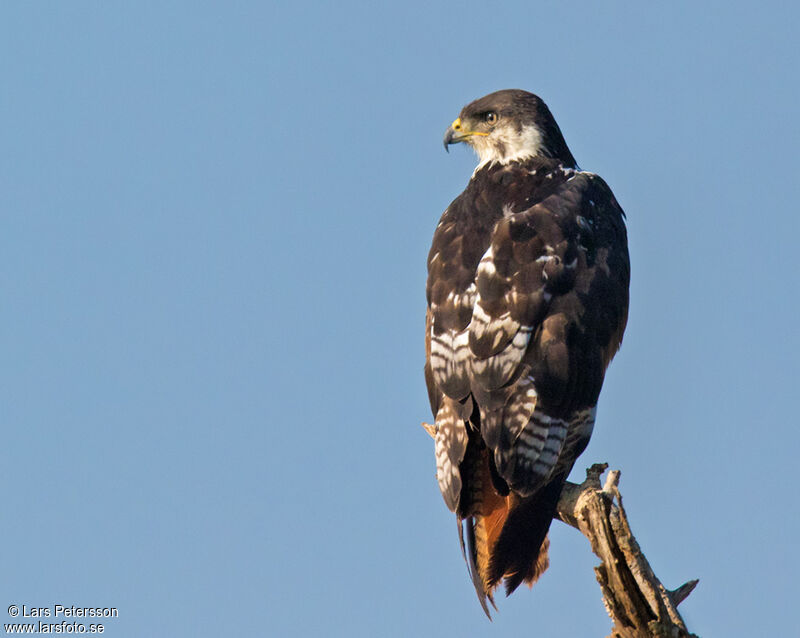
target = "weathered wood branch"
x: 639, y: 605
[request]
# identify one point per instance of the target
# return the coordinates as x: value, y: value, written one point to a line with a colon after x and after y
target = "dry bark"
x: 639, y: 605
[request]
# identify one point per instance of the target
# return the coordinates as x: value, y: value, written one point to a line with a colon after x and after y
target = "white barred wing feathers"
x: 527, y: 303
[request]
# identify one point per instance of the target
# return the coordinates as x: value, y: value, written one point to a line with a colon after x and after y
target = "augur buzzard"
x: 527, y: 296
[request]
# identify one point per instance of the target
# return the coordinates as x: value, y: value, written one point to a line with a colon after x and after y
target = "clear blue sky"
x: 215, y: 220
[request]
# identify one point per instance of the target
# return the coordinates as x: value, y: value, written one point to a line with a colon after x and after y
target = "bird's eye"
x: 491, y: 118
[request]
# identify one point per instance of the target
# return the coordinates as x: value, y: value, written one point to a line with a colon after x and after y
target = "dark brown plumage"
x: 527, y: 296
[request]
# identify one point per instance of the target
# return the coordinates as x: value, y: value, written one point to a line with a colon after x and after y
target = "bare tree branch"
x: 639, y: 605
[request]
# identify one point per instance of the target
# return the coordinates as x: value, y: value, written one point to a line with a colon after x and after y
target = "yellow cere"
x: 456, y: 126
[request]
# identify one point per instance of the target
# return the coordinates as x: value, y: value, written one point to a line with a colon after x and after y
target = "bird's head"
x: 510, y: 125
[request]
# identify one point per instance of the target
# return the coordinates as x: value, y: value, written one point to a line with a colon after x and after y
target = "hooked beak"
x: 456, y: 133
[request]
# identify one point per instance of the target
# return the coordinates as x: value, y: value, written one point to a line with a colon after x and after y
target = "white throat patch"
x: 506, y: 145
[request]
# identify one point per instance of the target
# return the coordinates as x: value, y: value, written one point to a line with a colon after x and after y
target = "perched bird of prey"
x: 527, y: 303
